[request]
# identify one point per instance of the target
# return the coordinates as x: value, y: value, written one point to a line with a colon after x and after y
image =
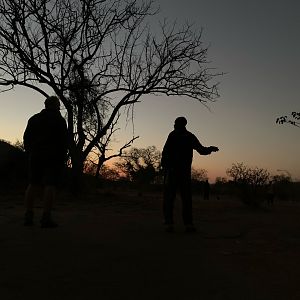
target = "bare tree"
x: 102, y: 152
x: 240, y: 173
x: 110, y: 173
x: 99, y: 57
x: 140, y: 164
x: 199, y: 174
x: 250, y: 183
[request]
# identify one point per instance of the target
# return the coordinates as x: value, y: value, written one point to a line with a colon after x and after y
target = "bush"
x: 251, y: 183
x: 13, y: 165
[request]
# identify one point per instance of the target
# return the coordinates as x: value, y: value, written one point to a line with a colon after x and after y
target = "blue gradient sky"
x: 257, y: 44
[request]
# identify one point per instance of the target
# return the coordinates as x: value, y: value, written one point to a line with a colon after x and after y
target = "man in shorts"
x: 45, y: 141
x: 177, y: 156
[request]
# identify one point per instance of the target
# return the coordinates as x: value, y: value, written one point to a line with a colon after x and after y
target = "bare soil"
x: 112, y: 245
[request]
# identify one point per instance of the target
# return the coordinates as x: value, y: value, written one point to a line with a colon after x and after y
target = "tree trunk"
x: 99, y: 165
x: 77, y: 173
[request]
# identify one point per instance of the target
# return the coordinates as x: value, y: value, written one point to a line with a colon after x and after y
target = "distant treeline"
x: 140, y: 167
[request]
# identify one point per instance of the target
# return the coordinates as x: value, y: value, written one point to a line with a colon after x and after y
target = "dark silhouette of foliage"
x: 106, y: 172
x: 240, y: 173
x: 249, y: 182
x: 13, y: 164
x: 293, y: 119
x: 199, y: 175
x: 283, y: 186
x: 140, y: 164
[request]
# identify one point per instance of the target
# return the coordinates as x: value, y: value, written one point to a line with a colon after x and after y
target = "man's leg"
x: 187, y: 209
x: 186, y: 197
x: 169, y: 198
x: 49, y: 199
x: 32, y: 192
x: 51, y: 178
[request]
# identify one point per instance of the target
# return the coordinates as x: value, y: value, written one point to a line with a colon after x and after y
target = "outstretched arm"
x: 204, y: 150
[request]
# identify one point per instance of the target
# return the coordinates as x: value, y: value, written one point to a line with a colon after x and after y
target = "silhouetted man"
x: 177, y: 156
x: 45, y: 141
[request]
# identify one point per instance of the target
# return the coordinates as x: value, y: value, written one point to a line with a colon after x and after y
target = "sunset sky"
x: 256, y: 43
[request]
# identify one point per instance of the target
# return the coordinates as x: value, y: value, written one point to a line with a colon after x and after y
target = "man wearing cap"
x: 45, y: 141
x: 177, y: 156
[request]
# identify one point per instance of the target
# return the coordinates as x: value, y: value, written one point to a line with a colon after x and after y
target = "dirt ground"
x: 112, y: 245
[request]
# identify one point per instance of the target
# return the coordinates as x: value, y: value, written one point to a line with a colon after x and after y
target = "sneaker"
x: 28, y: 218
x: 190, y: 228
x: 47, y: 222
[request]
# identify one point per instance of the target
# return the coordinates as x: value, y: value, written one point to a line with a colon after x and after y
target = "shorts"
x: 45, y: 171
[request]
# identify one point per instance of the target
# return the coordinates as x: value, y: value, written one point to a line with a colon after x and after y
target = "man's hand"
x: 213, y: 149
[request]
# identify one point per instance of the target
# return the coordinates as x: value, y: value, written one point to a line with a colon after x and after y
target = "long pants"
x: 178, y: 179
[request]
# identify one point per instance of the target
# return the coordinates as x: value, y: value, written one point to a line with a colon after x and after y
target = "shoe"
x: 28, y: 218
x: 47, y: 222
x: 169, y: 228
x: 190, y: 228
